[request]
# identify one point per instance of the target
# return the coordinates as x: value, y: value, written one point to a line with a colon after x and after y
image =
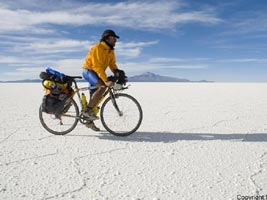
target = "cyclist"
x: 100, y: 56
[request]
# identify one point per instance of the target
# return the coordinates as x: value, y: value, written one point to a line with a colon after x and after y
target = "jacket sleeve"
x: 113, y: 66
x: 97, y: 63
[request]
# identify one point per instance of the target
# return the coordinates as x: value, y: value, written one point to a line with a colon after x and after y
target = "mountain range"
x: 151, y: 77
x: 145, y: 77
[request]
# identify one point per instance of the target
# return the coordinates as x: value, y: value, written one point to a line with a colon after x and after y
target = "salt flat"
x: 197, y: 141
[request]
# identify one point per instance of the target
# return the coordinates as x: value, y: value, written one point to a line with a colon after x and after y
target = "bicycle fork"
x: 113, y: 99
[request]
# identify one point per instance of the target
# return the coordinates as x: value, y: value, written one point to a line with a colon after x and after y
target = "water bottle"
x: 84, y: 101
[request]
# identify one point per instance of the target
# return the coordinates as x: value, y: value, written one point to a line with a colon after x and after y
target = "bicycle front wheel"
x: 122, y: 115
x: 60, y: 124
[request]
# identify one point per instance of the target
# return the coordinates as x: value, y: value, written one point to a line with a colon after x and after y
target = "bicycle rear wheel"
x: 61, y: 124
x: 121, y: 116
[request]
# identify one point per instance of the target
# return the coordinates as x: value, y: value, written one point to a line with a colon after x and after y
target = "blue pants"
x: 91, y: 77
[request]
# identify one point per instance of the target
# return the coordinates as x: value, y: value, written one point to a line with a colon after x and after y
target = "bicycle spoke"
x: 62, y: 124
x: 123, y: 116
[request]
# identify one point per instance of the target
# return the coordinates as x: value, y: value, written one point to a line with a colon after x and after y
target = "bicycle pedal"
x: 90, y: 118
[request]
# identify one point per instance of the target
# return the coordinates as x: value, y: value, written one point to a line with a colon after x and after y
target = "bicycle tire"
x: 53, y: 124
x: 129, y: 122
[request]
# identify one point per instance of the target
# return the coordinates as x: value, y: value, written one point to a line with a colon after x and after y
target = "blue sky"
x: 215, y: 40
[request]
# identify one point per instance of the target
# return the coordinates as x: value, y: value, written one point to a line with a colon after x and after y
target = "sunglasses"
x: 112, y: 37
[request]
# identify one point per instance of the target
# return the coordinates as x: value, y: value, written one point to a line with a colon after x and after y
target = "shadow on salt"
x: 168, y: 137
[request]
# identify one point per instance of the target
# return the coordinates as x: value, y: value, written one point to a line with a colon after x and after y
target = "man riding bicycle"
x: 100, y: 56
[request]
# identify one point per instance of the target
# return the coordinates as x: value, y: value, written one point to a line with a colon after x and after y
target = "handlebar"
x: 117, y: 87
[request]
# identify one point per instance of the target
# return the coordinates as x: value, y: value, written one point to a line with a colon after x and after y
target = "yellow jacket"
x: 99, y: 58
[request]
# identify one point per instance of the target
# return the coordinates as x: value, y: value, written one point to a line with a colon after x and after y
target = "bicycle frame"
x: 77, y: 91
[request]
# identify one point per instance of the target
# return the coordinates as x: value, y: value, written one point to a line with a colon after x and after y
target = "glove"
x: 120, y: 77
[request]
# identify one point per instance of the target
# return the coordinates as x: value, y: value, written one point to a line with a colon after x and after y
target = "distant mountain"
x: 151, y: 77
x: 23, y: 81
x: 145, y: 77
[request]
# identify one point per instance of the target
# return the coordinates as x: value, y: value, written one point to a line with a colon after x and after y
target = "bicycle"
x: 120, y: 113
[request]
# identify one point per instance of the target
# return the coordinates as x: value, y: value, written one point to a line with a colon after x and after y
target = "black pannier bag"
x: 57, y: 79
x: 58, y: 89
x: 54, y: 104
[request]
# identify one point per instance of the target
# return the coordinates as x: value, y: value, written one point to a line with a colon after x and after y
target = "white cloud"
x: 245, y: 60
x: 22, y: 73
x: 132, y: 49
x: 255, y: 23
x: 52, y: 46
x: 67, y: 66
x: 8, y: 59
x: 196, y: 16
x: 22, y: 61
x: 71, y: 67
x: 139, y: 67
x: 29, y: 53
x: 41, y: 53
x: 74, y: 67
x: 136, y: 15
x: 166, y: 60
x: 136, y: 44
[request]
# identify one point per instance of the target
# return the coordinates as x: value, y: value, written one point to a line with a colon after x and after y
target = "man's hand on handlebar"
x: 109, y: 83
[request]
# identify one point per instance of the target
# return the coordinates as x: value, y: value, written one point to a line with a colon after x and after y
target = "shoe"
x: 92, y: 126
x: 89, y: 114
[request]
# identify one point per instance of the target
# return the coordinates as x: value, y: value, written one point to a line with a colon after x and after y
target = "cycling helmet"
x: 108, y: 33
